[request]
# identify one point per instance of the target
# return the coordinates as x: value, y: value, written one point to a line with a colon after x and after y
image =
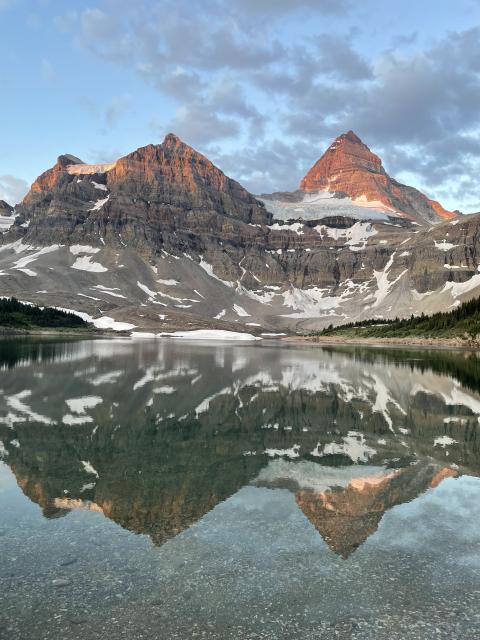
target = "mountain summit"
x: 170, y: 175
x: 349, y: 168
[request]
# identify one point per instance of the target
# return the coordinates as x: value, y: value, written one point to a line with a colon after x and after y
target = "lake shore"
x: 414, y: 341
x: 10, y: 332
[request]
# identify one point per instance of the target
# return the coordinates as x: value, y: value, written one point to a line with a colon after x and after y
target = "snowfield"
x: 322, y: 204
x: 210, y: 334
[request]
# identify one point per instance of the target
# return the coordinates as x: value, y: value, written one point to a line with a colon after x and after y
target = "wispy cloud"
x: 12, y: 189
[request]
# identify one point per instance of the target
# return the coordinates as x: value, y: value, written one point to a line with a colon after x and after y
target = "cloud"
x: 34, y: 21
x: 418, y: 111
x: 340, y: 60
x: 267, y: 167
x: 12, y: 189
x: 247, y: 82
x: 110, y: 114
x: 199, y: 125
x: 47, y: 71
x: 118, y: 107
x: 66, y: 22
x: 97, y: 156
x: 278, y: 6
x: 105, y: 35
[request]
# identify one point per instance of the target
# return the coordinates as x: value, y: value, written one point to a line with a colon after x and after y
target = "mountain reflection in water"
x: 155, y: 434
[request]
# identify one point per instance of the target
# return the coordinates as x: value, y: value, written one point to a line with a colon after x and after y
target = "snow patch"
x: 210, y: 334
x: 240, y: 311
x: 77, y: 249
x: 293, y: 452
x: 443, y: 441
x: 106, y: 322
x: 353, y: 446
x: 89, y: 468
x: 83, y: 263
x: 209, y: 269
x: 86, y: 169
x: 296, y: 227
x: 99, y: 186
x: 444, y: 245
x: 99, y: 204
x: 80, y: 405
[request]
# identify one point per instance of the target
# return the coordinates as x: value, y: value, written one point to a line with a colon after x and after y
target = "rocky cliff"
x: 163, y: 239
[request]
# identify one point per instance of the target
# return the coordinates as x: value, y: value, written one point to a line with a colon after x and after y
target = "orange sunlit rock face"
x: 172, y: 162
x: 349, y: 167
x: 442, y: 474
x: 443, y: 213
x: 51, y: 177
x: 170, y: 174
x: 346, y: 517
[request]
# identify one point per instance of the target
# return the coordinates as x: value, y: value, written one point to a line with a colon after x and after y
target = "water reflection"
x: 155, y: 434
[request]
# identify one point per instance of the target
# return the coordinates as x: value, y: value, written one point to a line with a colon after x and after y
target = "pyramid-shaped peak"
x: 349, y: 168
x: 347, y: 162
x: 351, y: 136
x: 171, y: 139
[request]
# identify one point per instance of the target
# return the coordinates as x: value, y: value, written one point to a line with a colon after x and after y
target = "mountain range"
x: 162, y: 240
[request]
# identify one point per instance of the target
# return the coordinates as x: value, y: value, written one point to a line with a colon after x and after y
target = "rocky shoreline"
x: 439, y: 343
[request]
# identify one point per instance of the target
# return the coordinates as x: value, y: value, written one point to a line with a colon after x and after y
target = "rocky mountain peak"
x: 350, y: 168
x: 5, y: 208
x: 343, y: 161
x: 176, y: 174
x: 351, y: 136
x: 141, y: 191
x: 68, y: 159
x: 48, y: 179
x: 172, y: 140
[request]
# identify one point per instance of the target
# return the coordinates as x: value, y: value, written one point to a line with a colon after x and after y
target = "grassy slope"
x: 16, y: 315
x: 462, y: 322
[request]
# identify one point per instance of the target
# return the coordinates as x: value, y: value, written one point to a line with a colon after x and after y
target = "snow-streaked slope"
x: 306, y: 275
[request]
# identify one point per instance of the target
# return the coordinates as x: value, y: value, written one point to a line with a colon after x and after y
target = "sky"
x: 259, y: 86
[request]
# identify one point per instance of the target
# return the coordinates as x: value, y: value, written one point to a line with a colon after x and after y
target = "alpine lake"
x: 267, y: 490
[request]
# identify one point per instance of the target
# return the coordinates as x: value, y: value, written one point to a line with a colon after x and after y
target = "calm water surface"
x: 158, y: 489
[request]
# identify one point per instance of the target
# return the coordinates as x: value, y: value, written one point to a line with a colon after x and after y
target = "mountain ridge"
x: 163, y: 238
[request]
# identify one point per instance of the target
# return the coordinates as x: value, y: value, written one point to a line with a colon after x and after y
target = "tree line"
x: 464, y: 319
x: 16, y: 314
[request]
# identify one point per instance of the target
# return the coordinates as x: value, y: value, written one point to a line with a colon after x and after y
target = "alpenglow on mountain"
x: 351, y: 173
x: 162, y: 239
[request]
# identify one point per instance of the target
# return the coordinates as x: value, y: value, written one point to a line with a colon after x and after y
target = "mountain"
x: 351, y: 173
x: 162, y: 239
x: 349, y: 167
x: 139, y: 199
x: 5, y: 208
x: 6, y: 219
